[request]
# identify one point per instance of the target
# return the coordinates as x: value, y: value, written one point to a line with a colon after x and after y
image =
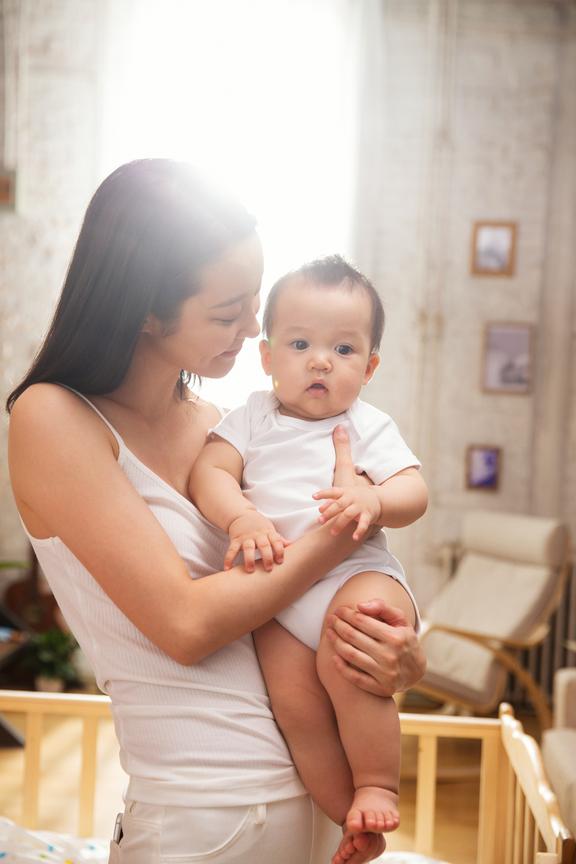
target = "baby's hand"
x: 250, y: 531
x: 359, y: 504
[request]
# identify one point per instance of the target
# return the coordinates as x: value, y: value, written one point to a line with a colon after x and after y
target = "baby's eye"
x: 299, y: 344
x: 344, y: 349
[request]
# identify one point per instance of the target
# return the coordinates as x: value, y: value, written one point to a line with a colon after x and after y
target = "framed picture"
x: 507, y: 366
x: 483, y: 464
x: 494, y: 249
x: 7, y: 189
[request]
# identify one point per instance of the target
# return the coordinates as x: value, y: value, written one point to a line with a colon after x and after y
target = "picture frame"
x: 483, y: 467
x: 494, y: 249
x: 7, y: 189
x: 507, y: 358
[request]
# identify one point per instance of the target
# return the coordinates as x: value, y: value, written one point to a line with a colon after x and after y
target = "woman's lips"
x: 231, y: 353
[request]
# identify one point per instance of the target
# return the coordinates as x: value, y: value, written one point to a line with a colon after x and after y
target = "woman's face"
x: 214, y: 322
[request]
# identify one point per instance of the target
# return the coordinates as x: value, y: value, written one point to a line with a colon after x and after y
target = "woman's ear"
x: 266, y: 356
x: 151, y: 325
x: 371, y: 366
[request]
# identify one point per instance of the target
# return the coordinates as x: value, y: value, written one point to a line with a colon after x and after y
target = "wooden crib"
x: 518, y: 817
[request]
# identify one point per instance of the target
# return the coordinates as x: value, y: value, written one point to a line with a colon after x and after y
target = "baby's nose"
x: 320, y: 360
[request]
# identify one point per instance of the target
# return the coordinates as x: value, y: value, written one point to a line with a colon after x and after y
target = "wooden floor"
x: 456, y: 808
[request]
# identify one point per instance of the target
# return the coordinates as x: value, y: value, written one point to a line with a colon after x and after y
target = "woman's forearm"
x: 221, y: 608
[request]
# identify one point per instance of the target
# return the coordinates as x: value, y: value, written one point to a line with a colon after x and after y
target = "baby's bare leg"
x: 306, y: 718
x: 368, y: 725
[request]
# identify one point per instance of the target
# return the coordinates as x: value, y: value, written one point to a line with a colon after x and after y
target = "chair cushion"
x: 559, y: 755
x: 487, y: 595
x: 529, y: 539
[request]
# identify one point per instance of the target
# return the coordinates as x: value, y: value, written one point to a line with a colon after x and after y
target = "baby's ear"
x: 371, y: 366
x: 266, y: 356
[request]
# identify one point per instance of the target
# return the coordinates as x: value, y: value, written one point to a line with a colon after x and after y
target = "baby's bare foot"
x: 373, y: 809
x: 358, y: 848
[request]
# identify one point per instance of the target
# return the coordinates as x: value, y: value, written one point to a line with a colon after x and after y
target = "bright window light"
x: 256, y: 93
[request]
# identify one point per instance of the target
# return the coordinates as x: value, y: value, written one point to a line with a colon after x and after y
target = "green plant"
x: 50, y: 654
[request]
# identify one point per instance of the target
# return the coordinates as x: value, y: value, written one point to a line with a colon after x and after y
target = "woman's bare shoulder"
x: 50, y: 412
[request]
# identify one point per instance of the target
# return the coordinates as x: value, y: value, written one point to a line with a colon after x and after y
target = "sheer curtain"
x: 261, y: 95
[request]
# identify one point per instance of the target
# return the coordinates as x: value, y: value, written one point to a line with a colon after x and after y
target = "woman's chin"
x: 219, y: 367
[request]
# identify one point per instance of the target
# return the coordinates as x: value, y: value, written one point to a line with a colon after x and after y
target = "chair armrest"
x: 489, y: 640
x: 565, y: 698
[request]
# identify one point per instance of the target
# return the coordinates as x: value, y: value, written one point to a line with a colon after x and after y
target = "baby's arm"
x: 214, y: 486
x: 398, y: 501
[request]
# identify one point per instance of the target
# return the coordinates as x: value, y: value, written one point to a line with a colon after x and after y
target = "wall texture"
x: 468, y: 106
x: 51, y: 138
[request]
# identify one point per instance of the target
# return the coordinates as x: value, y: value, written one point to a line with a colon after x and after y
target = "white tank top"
x: 201, y: 735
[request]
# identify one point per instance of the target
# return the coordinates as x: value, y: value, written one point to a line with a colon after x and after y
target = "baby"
x: 260, y: 477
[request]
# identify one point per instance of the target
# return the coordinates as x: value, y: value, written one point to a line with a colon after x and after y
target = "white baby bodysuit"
x: 287, y: 459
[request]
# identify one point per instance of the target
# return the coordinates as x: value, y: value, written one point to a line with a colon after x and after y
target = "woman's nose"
x: 251, y: 327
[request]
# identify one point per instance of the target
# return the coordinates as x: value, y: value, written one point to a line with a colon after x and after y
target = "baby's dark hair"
x: 329, y: 272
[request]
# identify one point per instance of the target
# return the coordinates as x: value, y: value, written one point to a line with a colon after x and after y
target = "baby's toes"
x: 355, y: 820
x: 371, y: 820
x: 392, y: 820
x: 381, y: 822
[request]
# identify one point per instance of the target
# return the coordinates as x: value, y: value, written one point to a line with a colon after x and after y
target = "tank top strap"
x: 104, y: 419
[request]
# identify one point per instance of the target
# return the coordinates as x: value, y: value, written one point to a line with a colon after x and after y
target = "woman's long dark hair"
x: 148, y: 229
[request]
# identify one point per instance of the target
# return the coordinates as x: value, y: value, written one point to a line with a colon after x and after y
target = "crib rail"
x: 518, y: 820
x: 89, y: 710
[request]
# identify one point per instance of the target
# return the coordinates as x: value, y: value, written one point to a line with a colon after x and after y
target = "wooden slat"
x: 32, y: 751
x: 426, y: 793
x: 510, y: 797
x: 88, y: 776
x: 528, y: 841
x: 518, y: 824
x: 488, y: 809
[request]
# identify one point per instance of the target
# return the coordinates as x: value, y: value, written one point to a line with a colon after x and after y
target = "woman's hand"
x: 376, y: 648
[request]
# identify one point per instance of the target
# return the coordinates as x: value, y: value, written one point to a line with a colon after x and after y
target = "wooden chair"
x: 508, y: 580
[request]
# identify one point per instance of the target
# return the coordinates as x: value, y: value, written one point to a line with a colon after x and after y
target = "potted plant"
x: 50, y: 657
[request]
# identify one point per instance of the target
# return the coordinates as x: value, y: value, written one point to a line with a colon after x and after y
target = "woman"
x: 165, y: 277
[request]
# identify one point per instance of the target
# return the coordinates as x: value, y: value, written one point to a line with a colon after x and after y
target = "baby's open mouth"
x: 318, y: 386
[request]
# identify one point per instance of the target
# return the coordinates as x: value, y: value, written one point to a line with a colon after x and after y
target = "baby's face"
x: 318, y: 353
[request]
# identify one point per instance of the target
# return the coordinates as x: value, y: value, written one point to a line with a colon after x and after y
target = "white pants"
x: 293, y: 831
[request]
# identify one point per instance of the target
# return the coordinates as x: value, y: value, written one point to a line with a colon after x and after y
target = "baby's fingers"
x: 332, y: 492
x: 248, y: 548
x: 266, y: 552
x: 348, y: 515
x: 231, y: 553
x: 278, y: 544
x: 364, y: 523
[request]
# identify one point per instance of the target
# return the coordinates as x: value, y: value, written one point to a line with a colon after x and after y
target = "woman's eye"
x: 299, y: 344
x: 344, y: 349
x: 226, y: 321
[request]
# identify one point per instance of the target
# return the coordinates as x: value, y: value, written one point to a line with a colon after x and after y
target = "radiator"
x: 552, y: 654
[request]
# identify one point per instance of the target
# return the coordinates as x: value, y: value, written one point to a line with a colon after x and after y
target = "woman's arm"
x: 66, y: 478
